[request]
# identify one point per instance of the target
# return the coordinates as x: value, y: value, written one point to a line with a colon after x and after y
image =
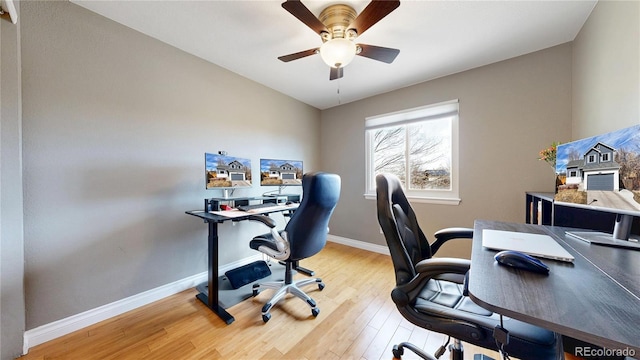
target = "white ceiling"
x: 435, y: 38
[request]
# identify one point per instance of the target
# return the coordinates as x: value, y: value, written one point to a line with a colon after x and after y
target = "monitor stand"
x: 274, y: 193
x: 621, y: 236
x: 226, y: 193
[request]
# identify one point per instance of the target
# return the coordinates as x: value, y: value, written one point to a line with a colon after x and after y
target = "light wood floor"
x: 357, y: 320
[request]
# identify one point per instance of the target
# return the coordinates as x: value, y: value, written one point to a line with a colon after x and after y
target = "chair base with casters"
x: 456, y: 352
x: 455, y: 349
x: 285, y: 287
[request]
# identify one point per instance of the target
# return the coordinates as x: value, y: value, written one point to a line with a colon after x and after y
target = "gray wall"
x: 115, y: 129
x: 12, y: 321
x: 509, y: 111
x: 606, y: 70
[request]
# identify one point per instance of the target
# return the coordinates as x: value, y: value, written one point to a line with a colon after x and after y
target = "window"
x: 605, y: 157
x: 591, y: 159
x: 420, y: 146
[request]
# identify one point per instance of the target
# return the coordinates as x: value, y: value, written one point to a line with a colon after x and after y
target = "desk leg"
x: 211, y: 299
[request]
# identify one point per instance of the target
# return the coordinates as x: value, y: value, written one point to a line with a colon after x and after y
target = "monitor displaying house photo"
x: 274, y: 172
x: 602, y: 171
x: 222, y: 171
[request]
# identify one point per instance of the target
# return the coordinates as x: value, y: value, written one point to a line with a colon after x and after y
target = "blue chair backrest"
x: 308, y: 228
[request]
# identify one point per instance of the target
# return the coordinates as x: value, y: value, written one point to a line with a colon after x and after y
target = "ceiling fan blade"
x: 302, y: 13
x: 374, y: 12
x: 379, y: 53
x: 336, y: 73
x: 298, y: 55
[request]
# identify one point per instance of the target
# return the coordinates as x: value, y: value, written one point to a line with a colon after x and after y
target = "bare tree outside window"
x: 424, y: 148
x: 389, y: 151
x: 430, y: 155
x: 420, y: 147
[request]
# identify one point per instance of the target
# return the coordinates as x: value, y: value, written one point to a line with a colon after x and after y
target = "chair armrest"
x: 276, y: 245
x: 444, y: 235
x: 437, y: 266
x: 263, y: 219
x: 428, y: 269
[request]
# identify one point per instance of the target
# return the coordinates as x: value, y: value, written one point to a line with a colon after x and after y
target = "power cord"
x: 501, y: 336
x: 442, y: 348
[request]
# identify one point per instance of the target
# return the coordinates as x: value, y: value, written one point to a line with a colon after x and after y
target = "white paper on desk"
x: 238, y: 213
x: 230, y: 213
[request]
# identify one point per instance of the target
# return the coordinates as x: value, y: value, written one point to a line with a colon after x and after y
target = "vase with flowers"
x: 549, y: 154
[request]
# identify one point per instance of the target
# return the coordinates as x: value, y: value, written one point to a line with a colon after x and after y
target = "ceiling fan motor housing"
x: 337, y: 18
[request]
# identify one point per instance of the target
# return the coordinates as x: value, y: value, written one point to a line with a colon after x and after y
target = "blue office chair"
x: 430, y: 292
x: 303, y: 236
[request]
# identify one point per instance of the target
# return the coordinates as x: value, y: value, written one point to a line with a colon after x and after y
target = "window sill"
x: 424, y: 200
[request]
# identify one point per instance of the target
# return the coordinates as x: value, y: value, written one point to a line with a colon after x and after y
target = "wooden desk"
x: 596, y: 299
x: 211, y: 297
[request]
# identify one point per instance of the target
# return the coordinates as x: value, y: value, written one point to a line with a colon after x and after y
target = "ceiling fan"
x: 338, y: 27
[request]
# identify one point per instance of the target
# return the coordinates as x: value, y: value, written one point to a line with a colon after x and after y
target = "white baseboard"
x: 72, y: 323
x: 65, y: 326
x: 380, y: 249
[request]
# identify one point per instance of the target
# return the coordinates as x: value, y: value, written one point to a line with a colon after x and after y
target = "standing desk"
x: 210, y: 299
x: 596, y: 299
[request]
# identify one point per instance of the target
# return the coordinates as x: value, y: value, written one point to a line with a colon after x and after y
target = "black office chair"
x: 303, y: 236
x: 430, y: 291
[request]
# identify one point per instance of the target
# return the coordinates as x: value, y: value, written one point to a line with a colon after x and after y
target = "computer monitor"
x: 603, y: 173
x: 281, y: 173
x: 226, y: 173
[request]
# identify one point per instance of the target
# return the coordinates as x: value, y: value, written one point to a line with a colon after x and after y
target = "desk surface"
x: 237, y: 215
x: 596, y: 299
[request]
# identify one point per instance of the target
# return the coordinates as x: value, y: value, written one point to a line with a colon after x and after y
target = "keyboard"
x: 256, y: 206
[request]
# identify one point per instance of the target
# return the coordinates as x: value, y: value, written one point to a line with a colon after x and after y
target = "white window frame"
x: 419, y: 114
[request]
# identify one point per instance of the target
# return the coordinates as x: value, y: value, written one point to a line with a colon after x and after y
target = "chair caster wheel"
x: 266, y: 317
x: 255, y: 292
x: 397, y: 352
x: 321, y: 286
x: 315, y: 312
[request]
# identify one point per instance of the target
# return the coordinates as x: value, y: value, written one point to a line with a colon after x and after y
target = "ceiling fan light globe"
x: 338, y: 52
